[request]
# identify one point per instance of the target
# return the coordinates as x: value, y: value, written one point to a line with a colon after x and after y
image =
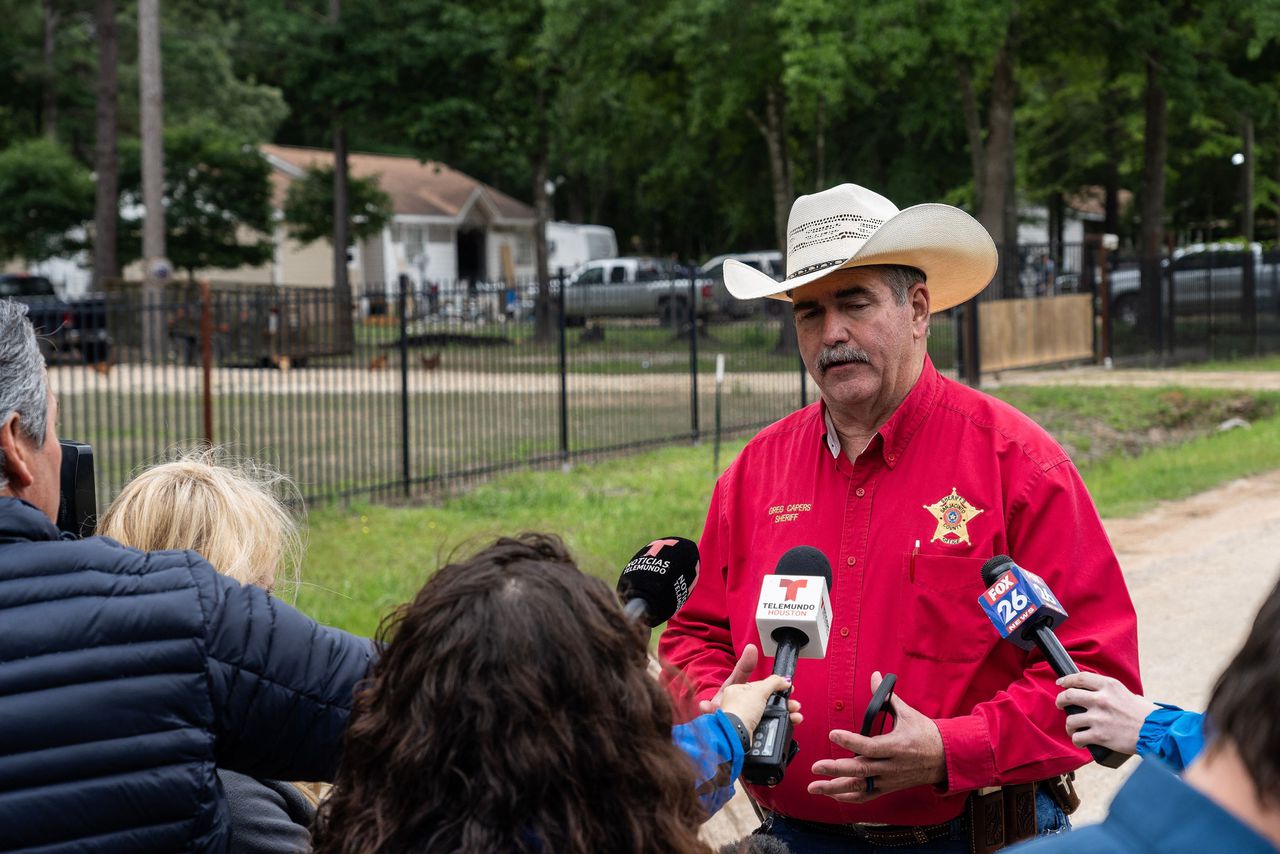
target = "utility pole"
x: 151, y: 99
x: 106, y: 165
x: 341, y: 205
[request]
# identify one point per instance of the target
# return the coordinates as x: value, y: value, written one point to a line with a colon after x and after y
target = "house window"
x: 439, y: 234
x: 524, y: 249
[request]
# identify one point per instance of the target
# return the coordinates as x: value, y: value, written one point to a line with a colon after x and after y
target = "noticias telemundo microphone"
x: 794, y: 620
x: 1024, y: 611
x: 656, y: 582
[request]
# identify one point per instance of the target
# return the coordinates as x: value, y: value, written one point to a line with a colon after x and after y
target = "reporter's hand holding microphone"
x: 746, y: 699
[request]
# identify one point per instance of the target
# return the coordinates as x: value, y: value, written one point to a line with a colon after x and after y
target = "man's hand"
x: 747, y: 700
x: 741, y: 671
x: 1112, y: 716
x: 910, y: 755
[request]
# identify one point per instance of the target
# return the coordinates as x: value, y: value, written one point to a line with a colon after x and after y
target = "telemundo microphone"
x: 1024, y: 611
x: 657, y: 581
x: 794, y: 619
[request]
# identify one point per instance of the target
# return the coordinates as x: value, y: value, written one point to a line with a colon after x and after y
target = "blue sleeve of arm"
x: 1172, y: 735
x: 713, y: 745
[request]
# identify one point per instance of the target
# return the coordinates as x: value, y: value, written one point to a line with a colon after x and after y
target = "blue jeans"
x: 1050, y: 819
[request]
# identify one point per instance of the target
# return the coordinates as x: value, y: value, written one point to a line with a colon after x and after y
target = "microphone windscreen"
x: 805, y: 560
x: 662, y: 574
x: 994, y: 568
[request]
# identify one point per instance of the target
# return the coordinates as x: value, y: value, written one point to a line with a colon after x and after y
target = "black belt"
x: 884, y: 835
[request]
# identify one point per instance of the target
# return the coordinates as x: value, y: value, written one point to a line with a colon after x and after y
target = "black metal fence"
x: 412, y: 387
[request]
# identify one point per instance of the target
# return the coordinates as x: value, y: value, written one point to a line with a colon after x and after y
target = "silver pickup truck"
x: 634, y: 287
x: 1205, y: 276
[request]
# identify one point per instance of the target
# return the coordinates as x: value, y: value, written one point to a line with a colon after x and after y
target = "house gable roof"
x: 416, y: 188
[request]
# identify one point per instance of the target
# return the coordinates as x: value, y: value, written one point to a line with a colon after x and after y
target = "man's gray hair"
x: 23, y: 386
x: 899, y: 278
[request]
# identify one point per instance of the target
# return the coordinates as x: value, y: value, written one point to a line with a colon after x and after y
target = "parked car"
x: 61, y: 325
x: 1204, y: 276
x: 767, y: 261
x: 634, y: 287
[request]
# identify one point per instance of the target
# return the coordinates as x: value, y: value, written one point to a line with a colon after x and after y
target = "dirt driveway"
x: 1197, y: 570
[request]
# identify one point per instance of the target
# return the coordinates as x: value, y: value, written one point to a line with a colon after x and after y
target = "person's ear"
x: 919, y: 300
x: 17, y: 469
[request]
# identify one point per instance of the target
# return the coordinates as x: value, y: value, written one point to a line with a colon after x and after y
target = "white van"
x: 570, y: 245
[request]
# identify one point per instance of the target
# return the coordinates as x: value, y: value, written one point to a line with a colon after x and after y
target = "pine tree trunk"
x: 545, y: 313
x: 151, y: 97
x: 49, y: 91
x: 996, y: 183
x: 1154, y: 154
x: 343, y: 306
x: 973, y: 130
x: 106, y: 163
x: 774, y: 131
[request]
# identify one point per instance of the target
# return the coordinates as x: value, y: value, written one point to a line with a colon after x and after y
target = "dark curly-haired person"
x: 513, y: 710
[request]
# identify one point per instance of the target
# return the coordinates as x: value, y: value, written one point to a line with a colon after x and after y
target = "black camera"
x: 78, y: 510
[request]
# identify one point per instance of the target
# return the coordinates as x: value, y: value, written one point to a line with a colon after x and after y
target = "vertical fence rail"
x: 406, y: 473
x: 693, y: 355
x: 562, y: 334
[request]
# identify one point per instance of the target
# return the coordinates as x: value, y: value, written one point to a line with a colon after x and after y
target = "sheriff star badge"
x: 953, y: 513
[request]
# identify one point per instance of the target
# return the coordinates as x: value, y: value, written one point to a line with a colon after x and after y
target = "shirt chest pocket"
x: 942, y: 620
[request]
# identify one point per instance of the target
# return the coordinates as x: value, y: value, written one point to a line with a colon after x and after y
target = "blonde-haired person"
x: 230, y: 512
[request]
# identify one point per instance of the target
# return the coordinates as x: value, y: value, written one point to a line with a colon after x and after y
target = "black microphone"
x: 1024, y: 611
x: 794, y: 615
x: 658, y: 580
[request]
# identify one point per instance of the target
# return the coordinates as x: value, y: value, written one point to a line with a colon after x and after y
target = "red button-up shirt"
x: 968, y: 477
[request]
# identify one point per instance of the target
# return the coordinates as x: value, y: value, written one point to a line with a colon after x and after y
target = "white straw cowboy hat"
x: 851, y: 226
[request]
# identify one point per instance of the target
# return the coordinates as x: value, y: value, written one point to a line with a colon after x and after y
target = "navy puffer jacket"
x: 127, y: 677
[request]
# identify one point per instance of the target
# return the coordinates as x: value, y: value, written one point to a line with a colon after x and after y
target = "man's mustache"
x: 840, y: 354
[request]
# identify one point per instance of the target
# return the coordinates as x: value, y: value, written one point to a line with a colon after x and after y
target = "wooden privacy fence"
x: 1019, y: 333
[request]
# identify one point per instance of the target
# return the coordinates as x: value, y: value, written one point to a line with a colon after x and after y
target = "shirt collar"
x: 902, y: 424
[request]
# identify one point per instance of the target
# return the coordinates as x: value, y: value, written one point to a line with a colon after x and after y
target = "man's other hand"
x: 1112, y: 715
x: 910, y: 755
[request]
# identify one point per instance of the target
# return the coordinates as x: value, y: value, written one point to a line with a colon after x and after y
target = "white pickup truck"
x: 1206, y: 277
x: 634, y: 287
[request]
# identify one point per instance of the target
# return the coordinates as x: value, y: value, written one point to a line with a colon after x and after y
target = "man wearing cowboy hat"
x: 908, y: 482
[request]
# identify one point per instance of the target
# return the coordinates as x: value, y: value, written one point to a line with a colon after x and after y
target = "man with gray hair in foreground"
x: 126, y: 677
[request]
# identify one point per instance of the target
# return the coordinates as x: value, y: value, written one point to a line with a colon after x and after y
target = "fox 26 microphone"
x: 1025, y: 611
x: 658, y: 580
x: 794, y: 619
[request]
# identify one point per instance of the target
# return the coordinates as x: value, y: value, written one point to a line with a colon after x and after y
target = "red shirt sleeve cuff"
x: 970, y: 758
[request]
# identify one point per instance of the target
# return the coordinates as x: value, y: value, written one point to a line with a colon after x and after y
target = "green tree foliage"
x: 218, y: 211
x: 44, y: 195
x: 308, y: 207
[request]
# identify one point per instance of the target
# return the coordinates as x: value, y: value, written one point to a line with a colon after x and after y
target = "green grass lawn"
x: 364, y: 559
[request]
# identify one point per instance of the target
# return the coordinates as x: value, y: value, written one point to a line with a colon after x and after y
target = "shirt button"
x: 851, y: 561
x: 893, y: 457
x: 860, y: 492
x: 844, y: 631
x: 839, y: 705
